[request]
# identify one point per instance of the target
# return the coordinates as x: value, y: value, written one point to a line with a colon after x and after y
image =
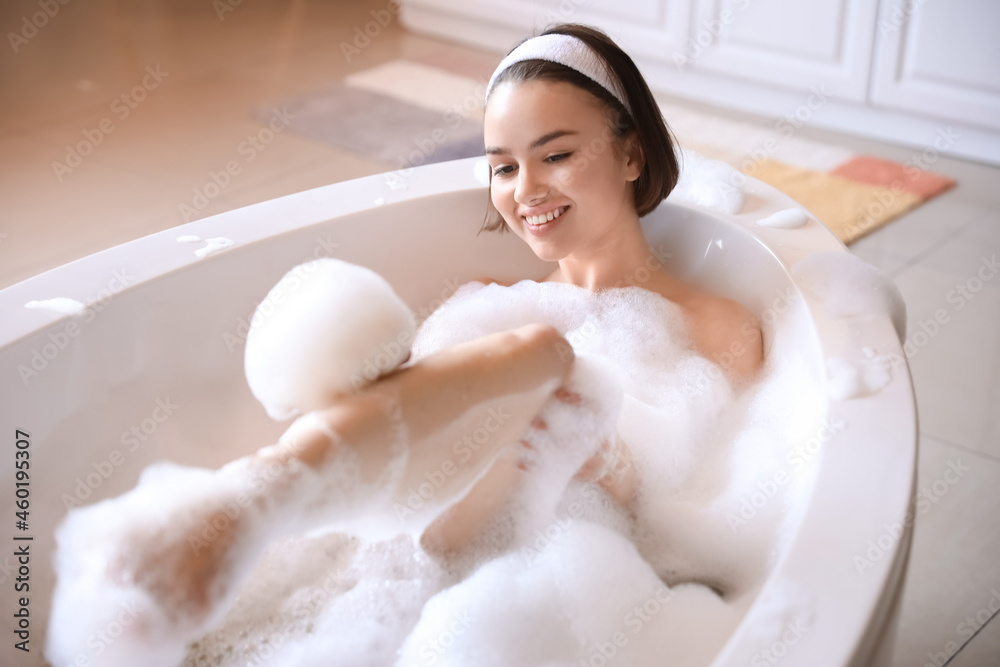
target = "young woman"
x: 578, y: 152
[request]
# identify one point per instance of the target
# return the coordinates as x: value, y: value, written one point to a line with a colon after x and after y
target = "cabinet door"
x: 790, y: 43
x: 940, y: 59
x: 647, y: 29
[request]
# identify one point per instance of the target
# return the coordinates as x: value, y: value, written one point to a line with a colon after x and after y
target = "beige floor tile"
x: 954, y: 354
x: 925, y: 228
x: 983, y: 650
x: 878, y: 254
x: 955, y: 559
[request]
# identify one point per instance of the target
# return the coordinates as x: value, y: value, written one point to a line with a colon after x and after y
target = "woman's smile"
x: 540, y: 222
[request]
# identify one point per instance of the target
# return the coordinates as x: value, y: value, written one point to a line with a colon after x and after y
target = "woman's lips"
x: 543, y: 223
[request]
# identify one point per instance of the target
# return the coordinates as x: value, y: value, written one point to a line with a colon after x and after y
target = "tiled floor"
x: 58, y: 87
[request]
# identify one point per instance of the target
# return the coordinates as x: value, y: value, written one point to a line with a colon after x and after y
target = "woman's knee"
x: 545, y: 341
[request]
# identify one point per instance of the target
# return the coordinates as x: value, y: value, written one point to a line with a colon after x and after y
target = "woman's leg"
x: 494, y: 385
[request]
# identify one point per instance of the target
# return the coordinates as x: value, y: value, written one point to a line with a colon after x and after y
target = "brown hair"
x: 660, y: 171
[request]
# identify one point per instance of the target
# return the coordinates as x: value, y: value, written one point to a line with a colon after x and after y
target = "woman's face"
x: 557, y: 179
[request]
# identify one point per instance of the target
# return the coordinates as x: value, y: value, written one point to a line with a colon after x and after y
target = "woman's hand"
x: 613, y: 470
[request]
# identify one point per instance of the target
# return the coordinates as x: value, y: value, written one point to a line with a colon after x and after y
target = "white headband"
x: 566, y: 50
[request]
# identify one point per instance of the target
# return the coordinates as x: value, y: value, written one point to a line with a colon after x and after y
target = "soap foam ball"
x: 327, y: 327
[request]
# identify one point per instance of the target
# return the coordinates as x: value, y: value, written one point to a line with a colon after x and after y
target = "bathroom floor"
x: 156, y: 98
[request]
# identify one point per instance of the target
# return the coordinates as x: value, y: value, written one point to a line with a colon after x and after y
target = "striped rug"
x: 429, y: 109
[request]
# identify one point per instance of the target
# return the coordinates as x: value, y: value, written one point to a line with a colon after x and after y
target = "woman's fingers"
x: 566, y: 396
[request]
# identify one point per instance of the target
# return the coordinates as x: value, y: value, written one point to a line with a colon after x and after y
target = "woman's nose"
x: 530, y: 188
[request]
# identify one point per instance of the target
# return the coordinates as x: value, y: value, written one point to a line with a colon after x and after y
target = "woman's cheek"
x: 498, y: 196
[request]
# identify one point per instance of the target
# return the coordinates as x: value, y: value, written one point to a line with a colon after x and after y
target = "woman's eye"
x: 558, y: 157
x: 503, y: 170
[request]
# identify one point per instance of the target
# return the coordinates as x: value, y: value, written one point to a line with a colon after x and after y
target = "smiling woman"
x: 578, y: 152
x: 577, y: 376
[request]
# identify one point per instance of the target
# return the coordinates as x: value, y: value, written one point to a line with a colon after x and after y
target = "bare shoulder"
x: 726, y: 332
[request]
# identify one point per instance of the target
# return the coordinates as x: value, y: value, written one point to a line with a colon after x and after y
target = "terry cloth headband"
x: 566, y: 50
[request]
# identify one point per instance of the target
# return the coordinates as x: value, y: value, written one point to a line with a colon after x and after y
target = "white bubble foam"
x: 327, y: 327
x: 848, y: 287
x: 848, y: 379
x: 790, y: 218
x: 60, y: 304
x: 566, y: 576
x: 709, y: 183
x: 214, y: 246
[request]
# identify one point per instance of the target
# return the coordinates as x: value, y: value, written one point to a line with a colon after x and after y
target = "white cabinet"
x: 940, y: 59
x: 816, y: 43
x: 894, y: 70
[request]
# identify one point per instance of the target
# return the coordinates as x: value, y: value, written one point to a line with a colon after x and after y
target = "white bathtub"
x: 154, y: 370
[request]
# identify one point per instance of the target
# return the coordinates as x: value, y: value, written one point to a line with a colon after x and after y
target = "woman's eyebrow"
x: 537, y: 143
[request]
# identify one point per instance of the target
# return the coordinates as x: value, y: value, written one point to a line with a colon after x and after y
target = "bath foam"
x: 789, y: 218
x: 588, y: 596
x: 60, y: 304
x: 848, y: 287
x: 701, y: 448
x: 131, y: 554
x: 573, y: 433
x: 709, y: 183
x: 848, y: 379
x: 214, y: 245
x: 327, y: 327
x: 94, y: 590
x: 342, y: 606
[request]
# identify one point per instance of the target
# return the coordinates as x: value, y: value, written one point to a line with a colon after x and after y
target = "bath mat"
x: 852, y: 194
x: 426, y: 109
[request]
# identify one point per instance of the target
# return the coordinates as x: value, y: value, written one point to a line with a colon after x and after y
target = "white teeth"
x: 542, y: 219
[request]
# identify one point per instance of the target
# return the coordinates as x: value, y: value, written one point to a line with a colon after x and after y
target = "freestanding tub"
x: 153, y: 369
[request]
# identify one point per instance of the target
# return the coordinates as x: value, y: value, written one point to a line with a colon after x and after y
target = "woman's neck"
x: 615, y: 260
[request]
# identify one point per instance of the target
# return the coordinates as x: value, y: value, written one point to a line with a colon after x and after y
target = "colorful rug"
x: 429, y: 109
